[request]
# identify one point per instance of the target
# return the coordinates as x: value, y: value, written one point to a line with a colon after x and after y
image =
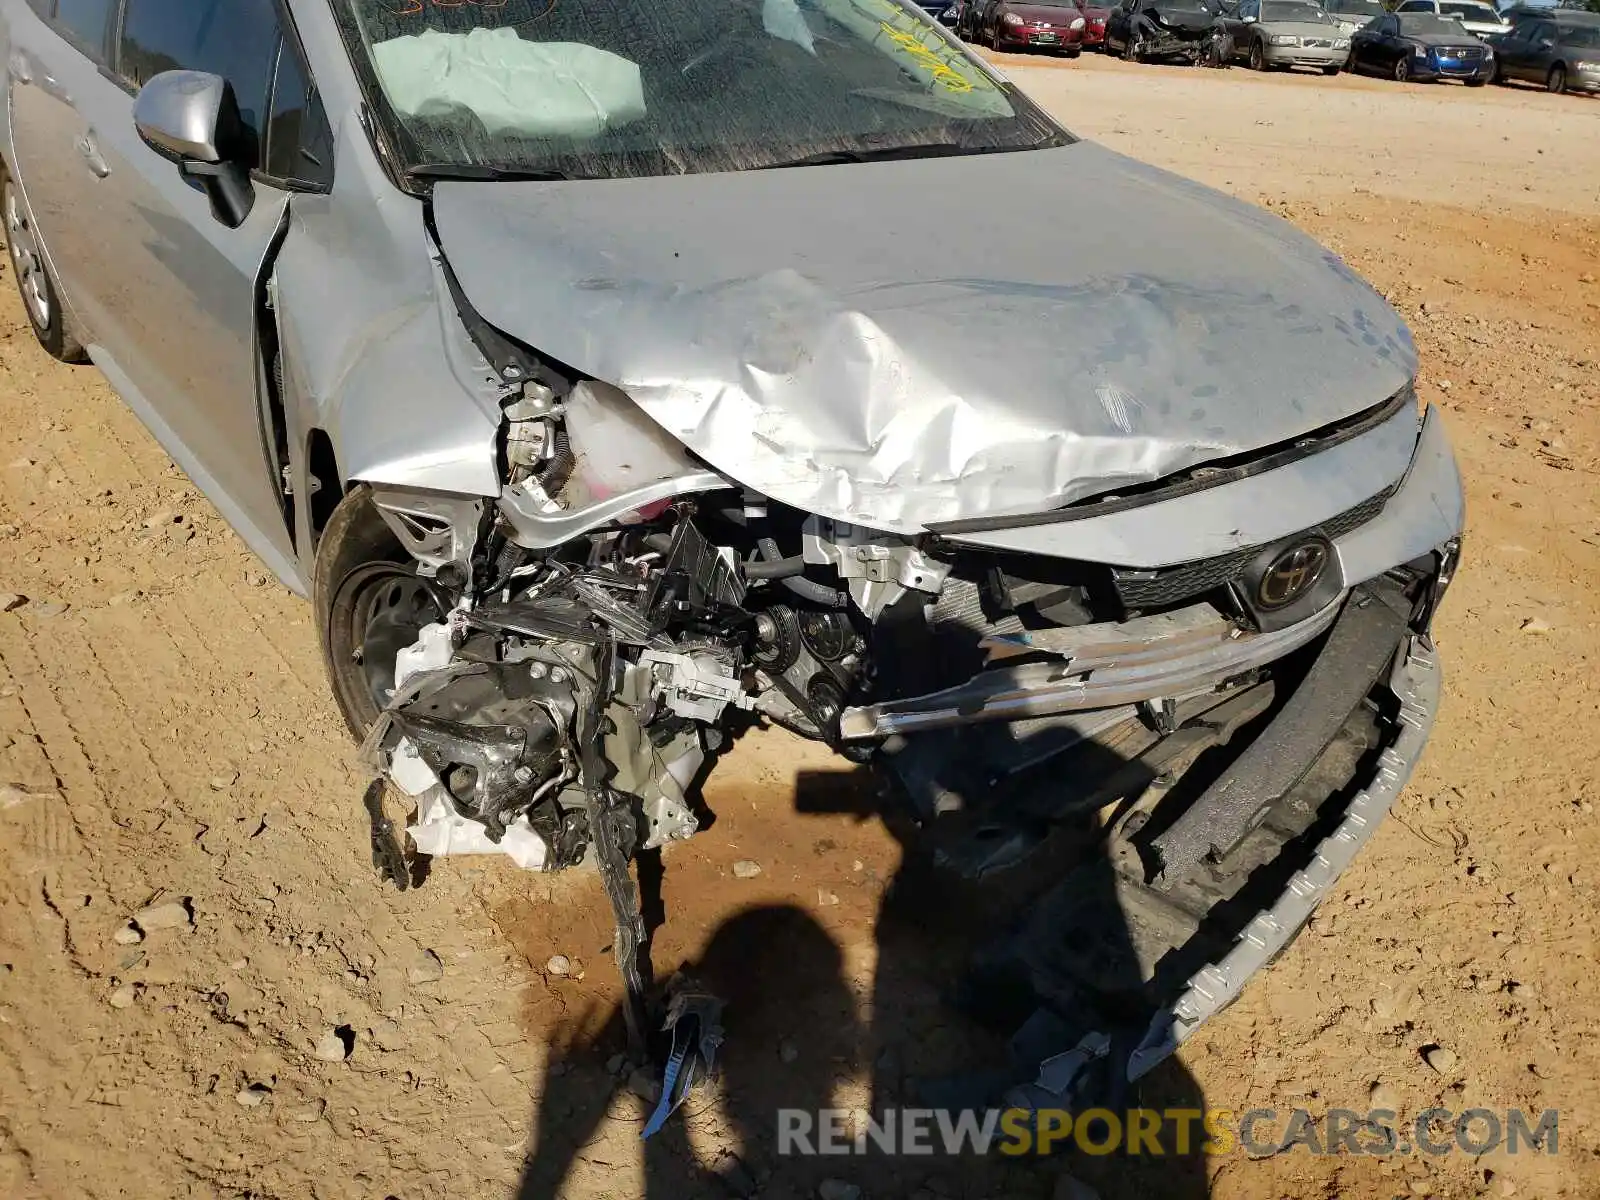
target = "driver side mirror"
x: 192, y: 118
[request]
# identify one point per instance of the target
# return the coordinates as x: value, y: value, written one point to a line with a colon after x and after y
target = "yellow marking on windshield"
x: 928, y: 59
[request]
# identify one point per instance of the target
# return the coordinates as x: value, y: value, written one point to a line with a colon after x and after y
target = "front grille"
x: 1145, y: 590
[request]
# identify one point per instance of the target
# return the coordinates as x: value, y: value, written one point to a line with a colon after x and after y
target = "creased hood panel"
x: 901, y: 343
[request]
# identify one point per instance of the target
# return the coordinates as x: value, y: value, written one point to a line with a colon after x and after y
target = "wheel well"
x: 323, y: 482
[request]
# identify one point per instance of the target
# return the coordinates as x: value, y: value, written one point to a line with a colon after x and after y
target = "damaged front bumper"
x: 1415, y: 683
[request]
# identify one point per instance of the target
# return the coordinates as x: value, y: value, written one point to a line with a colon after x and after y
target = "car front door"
x: 175, y: 292
x: 57, y: 54
x: 1242, y: 24
x: 1366, y: 44
x: 1516, y: 48
x: 1541, y: 52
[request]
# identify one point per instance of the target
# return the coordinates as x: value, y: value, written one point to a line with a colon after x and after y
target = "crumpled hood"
x: 901, y: 343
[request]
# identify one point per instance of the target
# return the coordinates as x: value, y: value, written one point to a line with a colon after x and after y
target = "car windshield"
x: 609, y: 88
x: 1355, y: 8
x: 1430, y: 25
x: 1469, y: 12
x: 1293, y: 10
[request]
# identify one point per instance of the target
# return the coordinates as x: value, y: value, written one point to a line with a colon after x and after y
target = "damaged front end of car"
x: 1209, y: 668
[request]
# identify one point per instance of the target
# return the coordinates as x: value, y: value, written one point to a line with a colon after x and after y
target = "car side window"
x: 236, y: 39
x: 299, y: 141
x: 85, y: 23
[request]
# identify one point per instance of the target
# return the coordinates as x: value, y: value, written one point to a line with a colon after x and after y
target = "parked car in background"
x: 1476, y: 16
x: 1095, y: 17
x: 1148, y: 30
x: 1556, y: 48
x: 1021, y: 25
x: 942, y: 11
x: 1422, y: 46
x: 1351, y: 15
x: 968, y: 17
x: 1279, y: 34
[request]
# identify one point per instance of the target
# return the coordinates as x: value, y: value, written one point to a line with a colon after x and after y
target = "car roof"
x: 1561, y: 16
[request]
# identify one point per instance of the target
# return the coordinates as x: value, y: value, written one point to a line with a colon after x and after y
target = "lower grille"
x: 1145, y: 590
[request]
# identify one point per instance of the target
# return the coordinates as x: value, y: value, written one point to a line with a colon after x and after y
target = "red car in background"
x: 1054, y: 25
x: 1094, y: 24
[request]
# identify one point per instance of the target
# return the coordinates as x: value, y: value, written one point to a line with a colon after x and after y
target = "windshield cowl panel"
x: 617, y: 88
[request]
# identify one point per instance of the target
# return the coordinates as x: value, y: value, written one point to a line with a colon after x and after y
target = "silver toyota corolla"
x: 613, y: 375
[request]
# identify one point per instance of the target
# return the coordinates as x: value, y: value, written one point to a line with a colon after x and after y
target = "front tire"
x: 1556, y: 81
x: 369, y: 602
x: 40, y: 298
x: 1402, y: 70
x: 1258, y: 56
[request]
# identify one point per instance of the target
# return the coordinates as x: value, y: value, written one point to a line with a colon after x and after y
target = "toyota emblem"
x: 1292, y: 574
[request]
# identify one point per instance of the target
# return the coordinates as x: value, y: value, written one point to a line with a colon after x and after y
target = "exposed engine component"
x: 603, y: 635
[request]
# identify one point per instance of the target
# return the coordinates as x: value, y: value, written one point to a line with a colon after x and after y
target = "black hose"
x: 808, y: 589
x: 780, y: 568
x: 555, y: 473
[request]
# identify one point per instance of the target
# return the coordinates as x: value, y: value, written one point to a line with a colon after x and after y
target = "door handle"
x: 87, y: 147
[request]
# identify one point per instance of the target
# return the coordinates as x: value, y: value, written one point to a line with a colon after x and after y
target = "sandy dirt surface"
x: 279, y: 1025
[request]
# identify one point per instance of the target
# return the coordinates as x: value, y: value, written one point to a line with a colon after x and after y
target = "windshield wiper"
x: 478, y: 171
x: 887, y: 154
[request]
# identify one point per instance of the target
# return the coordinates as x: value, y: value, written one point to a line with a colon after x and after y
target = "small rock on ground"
x: 128, y: 935
x: 559, y: 964
x: 746, y: 869
x: 426, y: 969
x: 172, y: 915
x: 123, y: 997
x: 645, y: 1085
x: 1441, y: 1060
x: 49, y: 608
x: 331, y: 1047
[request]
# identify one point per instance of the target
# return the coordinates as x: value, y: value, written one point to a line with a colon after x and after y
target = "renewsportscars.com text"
x: 1178, y: 1131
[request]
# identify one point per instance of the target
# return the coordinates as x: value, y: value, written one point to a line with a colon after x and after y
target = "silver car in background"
x: 1279, y: 34
x: 610, y: 380
x: 1477, y: 17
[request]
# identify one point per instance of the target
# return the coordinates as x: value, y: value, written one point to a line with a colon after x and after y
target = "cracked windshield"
x: 604, y: 88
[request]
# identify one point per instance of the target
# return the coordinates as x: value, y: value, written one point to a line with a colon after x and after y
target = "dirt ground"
x: 296, y: 1030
